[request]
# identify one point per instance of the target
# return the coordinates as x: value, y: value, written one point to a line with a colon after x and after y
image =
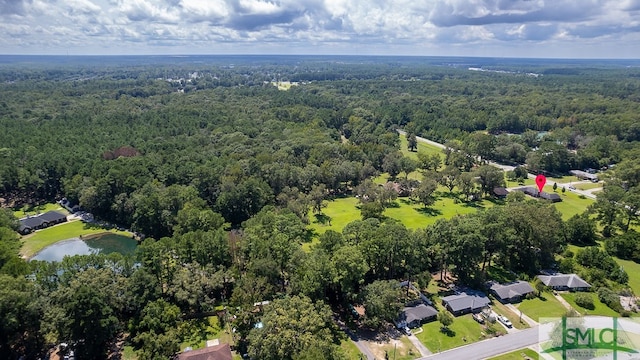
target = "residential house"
x: 33, y: 223
x: 500, y: 192
x: 562, y: 282
x: 511, y: 292
x: 414, y: 316
x: 465, y: 302
x: 538, y: 194
x: 553, y: 197
x: 217, y: 352
x: 583, y: 175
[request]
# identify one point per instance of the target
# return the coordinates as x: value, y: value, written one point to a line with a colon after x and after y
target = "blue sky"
x: 502, y: 28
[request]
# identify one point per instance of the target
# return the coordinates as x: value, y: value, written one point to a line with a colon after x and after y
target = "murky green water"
x: 105, y: 243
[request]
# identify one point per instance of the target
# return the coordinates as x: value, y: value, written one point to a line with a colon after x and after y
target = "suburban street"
x: 491, y: 347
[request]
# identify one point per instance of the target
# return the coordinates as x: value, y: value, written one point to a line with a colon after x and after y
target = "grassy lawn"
x: 37, y: 241
x: 633, y: 269
x: 35, y: 210
x: 342, y: 211
x: 527, y: 182
x: 571, y: 203
x: 129, y: 354
x: 600, y: 308
x: 350, y: 350
x: 547, y: 306
x: 517, y: 355
x: 589, y: 186
x: 422, y: 147
x: 201, y: 330
x: 463, y: 328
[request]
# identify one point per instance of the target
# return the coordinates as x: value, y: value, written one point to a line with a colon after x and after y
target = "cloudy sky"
x: 509, y: 28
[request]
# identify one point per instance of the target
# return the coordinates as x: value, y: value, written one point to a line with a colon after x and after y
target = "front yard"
x: 464, y: 330
x: 542, y: 307
x: 600, y: 308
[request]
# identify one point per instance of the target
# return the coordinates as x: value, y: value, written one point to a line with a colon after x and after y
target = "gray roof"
x: 466, y: 300
x: 52, y: 216
x: 31, y: 222
x: 511, y: 290
x: 571, y: 281
x: 420, y: 312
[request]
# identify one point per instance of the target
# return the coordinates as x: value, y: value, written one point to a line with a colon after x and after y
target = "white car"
x: 505, y: 321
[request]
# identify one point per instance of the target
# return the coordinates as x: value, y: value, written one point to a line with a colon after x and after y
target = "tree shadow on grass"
x: 323, y: 219
x: 474, y: 204
x: 447, y: 331
x: 429, y: 211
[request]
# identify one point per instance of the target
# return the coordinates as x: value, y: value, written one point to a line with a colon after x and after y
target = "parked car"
x: 479, y: 318
x: 505, y: 321
x: 407, y: 330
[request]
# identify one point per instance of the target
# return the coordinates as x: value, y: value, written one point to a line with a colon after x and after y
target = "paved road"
x: 491, y: 347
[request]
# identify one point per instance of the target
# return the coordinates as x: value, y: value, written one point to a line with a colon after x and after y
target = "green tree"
x: 489, y: 177
x: 581, y: 230
x: 381, y: 301
x: 425, y: 193
x: 607, y: 207
x: 350, y: 268
x: 292, y: 326
x: 157, y: 334
x: 446, y: 319
x: 412, y: 142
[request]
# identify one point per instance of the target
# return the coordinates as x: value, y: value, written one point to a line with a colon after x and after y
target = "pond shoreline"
x: 104, y: 242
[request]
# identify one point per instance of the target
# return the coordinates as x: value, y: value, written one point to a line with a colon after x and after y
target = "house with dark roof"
x: 553, y: 197
x: 466, y: 301
x: 500, y: 192
x: 217, y: 352
x: 33, y: 223
x: 539, y: 194
x: 51, y: 218
x: 511, y: 292
x: 414, y: 316
x: 562, y: 282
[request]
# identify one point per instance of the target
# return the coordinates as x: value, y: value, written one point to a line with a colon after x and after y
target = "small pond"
x: 104, y: 243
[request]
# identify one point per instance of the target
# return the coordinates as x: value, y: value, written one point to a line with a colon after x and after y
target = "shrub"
x: 585, y: 301
x: 609, y: 298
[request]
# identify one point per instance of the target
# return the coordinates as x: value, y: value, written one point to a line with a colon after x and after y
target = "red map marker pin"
x: 540, y: 181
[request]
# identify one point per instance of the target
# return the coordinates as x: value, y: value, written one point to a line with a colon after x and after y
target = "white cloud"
x: 393, y: 26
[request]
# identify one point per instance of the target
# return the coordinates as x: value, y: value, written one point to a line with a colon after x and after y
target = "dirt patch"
x: 385, y: 350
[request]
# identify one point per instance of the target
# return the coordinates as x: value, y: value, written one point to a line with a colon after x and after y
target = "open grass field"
x: 521, y: 354
x: 37, y: 241
x: 35, y: 210
x: 342, y: 211
x: 422, y: 147
x: 547, y: 306
x: 600, y: 308
x: 589, y: 186
x: 464, y: 330
x: 201, y: 330
x: 571, y: 203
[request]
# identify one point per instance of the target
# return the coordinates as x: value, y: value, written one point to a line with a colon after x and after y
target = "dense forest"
x: 220, y: 171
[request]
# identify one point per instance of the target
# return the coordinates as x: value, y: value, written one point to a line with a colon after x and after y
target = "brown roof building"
x: 217, y: 352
